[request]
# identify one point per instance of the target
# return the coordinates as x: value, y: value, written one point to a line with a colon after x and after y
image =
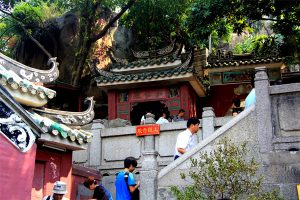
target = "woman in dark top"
x: 100, y: 193
x: 236, y: 109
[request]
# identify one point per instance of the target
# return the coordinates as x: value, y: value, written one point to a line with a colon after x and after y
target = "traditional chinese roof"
x: 228, y: 59
x: 50, y: 132
x: 181, y: 69
x: 172, y: 67
x: 54, y: 128
x: 171, y: 59
x: 24, y: 91
x: 70, y: 118
x: 155, y: 53
x: 29, y: 73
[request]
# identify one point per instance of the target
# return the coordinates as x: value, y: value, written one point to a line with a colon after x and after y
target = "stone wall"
x: 272, y: 132
x: 271, y: 129
x: 238, y: 130
x: 111, y: 145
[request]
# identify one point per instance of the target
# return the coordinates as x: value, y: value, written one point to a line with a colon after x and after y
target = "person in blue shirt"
x: 251, y: 98
x: 125, y: 182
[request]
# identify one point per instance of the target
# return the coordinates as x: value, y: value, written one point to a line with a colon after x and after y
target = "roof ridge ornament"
x: 32, y: 74
x: 118, y: 60
x: 70, y: 118
x: 154, y: 53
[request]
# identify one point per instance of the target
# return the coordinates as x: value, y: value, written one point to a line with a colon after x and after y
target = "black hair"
x: 130, y: 161
x: 236, y: 102
x: 193, y: 121
x: 181, y: 111
x: 89, y: 181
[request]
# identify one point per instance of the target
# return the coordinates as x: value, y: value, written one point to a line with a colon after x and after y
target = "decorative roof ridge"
x: 8, y: 77
x: 106, y: 73
x: 145, y: 62
x: 181, y: 69
x: 116, y: 59
x: 55, y: 128
x: 32, y: 74
x: 70, y: 118
x: 155, y: 53
x: 222, y: 56
x: 243, y: 62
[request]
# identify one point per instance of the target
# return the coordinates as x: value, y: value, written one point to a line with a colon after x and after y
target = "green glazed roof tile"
x: 55, y: 128
x: 219, y: 64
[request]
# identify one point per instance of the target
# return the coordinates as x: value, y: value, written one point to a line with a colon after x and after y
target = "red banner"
x: 143, y: 130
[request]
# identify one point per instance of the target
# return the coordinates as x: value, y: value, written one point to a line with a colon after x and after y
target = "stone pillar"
x: 263, y: 109
x: 208, y: 122
x: 95, y: 147
x: 149, y: 171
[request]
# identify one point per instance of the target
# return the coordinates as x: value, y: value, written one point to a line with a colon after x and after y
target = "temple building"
x: 164, y: 79
x: 36, y: 143
x: 230, y: 76
x: 172, y: 78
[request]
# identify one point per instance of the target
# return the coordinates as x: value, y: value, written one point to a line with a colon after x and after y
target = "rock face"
x: 122, y: 42
x: 60, y: 40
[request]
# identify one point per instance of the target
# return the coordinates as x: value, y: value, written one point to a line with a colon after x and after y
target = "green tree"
x: 155, y: 23
x: 224, y: 173
x: 205, y: 16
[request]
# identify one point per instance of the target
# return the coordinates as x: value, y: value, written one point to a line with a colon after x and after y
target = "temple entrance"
x: 138, y: 110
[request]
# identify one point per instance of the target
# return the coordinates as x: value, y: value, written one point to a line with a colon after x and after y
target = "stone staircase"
x: 239, y: 129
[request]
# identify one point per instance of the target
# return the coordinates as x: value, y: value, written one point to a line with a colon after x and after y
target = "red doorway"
x: 139, y: 109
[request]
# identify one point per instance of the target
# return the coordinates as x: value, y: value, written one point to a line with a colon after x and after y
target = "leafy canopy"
x: 156, y: 23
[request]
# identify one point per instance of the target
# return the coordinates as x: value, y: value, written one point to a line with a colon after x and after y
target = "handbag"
x: 134, y: 195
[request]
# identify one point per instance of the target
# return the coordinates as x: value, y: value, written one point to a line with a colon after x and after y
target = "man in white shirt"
x: 162, y: 119
x: 185, y: 140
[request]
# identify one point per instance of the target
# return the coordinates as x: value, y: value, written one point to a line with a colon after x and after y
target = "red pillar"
x: 66, y: 172
x: 185, y: 100
x: 112, y: 105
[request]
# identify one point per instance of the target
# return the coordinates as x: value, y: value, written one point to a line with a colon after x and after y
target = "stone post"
x: 263, y: 109
x: 149, y: 171
x: 208, y: 122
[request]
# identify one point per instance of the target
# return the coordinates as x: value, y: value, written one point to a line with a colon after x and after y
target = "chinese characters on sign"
x: 147, y: 130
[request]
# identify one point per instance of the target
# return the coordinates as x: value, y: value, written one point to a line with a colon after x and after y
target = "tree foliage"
x: 207, y: 16
x: 260, y: 45
x: 224, y: 173
x: 156, y: 23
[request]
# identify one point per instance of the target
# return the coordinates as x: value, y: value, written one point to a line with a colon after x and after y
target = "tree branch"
x: 112, y: 21
x: 270, y: 19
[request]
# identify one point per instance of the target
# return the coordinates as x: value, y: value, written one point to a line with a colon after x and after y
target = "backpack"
x: 136, y: 194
